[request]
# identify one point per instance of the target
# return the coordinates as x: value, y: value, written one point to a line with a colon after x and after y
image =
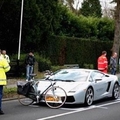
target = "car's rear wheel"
x: 89, y: 96
x: 115, y: 93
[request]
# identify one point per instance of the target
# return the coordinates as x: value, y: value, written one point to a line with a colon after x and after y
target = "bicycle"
x: 53, y: 96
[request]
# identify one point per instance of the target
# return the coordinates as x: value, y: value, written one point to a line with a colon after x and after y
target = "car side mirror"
x: 98, y: 79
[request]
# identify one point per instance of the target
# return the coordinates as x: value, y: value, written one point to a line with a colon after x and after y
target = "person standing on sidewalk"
x: 29, y: 61
x: 103, y: 62
x: 4, y: 67
x: 113, y: 63
x: 5, y: 56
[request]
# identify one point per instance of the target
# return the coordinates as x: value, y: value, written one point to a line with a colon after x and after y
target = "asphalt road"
x: 101, y: 110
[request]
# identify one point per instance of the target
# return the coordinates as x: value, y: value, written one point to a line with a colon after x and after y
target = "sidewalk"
x: 13, y: 82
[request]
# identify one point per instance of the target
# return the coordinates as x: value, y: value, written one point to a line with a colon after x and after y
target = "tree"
x: 70, y: 5
x: 9, y: 24
x: 116, y: 43
x: 91, y: 8
x: 40, y: 20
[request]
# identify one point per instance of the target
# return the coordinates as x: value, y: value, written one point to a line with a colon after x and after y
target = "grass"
x: 10, y: 92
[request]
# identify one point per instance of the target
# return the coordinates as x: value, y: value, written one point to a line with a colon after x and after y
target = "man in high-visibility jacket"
x: 4, y: 67
x: 103, y: 62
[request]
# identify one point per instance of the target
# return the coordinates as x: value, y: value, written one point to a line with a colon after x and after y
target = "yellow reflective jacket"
x: 4, y: 67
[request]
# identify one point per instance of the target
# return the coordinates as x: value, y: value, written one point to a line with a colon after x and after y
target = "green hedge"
x: 65, y: 50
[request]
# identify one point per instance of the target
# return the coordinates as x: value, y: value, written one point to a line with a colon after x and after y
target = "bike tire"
x: 55, y: 97
x: 25, y: 100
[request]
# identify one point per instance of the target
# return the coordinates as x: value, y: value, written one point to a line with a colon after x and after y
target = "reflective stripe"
x: 6, y: 67
x: 101, y: 68
x: 2, y: 79
x: 100, y: 63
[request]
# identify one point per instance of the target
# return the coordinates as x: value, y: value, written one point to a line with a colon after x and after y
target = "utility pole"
x: 19, y: 47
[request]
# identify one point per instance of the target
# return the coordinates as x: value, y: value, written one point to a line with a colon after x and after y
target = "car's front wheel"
x: 115, y: 93
x: 89, y: 96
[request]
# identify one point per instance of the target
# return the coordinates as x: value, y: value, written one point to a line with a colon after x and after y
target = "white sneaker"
x: 31, y: 79
x: 26, y: 80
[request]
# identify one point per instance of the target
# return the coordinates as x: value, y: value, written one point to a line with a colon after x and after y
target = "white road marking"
x: 101, y: 107
x: 79, y: 110
x: 75, y: 111
x: 92, y: 106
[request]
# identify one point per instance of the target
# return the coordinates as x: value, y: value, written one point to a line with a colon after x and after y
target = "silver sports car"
x: 83, y: 85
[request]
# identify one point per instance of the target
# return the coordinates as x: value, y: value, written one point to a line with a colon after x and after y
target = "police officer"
x: 4, y: 67
x: 5, y: 56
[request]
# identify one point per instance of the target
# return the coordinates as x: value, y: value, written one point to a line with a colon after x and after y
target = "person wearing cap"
x: 103, y: 62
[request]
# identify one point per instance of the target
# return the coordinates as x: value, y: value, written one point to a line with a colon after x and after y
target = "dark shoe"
x: 1, y: 112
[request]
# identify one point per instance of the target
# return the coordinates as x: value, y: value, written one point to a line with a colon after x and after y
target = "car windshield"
x: 70, y: 75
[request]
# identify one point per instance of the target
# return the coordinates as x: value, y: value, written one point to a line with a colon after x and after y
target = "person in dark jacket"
x: 29, y: 61
x: 113, y: 63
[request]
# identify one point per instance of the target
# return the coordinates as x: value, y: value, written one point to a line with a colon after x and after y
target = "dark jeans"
x: 113, y: 71
x: 29, y: 70
x: 1, y: 95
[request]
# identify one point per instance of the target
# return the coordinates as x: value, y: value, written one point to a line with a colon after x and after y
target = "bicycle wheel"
x: 55, y: 97
x: 25, y: 100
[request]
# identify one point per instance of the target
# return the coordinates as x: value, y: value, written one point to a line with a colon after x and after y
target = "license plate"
x: 51, y: 98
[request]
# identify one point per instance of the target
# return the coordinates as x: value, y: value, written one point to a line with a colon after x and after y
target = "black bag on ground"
x: 23, y: 88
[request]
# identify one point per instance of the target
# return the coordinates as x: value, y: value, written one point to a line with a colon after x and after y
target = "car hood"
x: 67, y: 86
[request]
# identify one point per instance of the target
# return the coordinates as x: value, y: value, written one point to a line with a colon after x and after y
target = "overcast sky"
x: 104, y: 3
x: 107, y: 3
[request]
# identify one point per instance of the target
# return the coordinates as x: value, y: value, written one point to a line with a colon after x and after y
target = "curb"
x: 8, y: 99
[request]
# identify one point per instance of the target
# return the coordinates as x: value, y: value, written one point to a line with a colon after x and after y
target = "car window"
x: 70, y: 75
x: 96, y: 75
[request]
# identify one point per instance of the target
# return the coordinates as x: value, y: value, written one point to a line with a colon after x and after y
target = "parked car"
x: 83, y: 85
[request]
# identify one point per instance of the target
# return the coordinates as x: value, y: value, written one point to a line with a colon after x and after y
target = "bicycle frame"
x: 38, y: 94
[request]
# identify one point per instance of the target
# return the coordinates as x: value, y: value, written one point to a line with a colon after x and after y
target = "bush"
x: 44, y: 64
x: 55, y: 68
x: 89, y: 66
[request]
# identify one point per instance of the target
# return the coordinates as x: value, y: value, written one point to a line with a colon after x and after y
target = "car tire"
x: 115, y: 92
x: 89, y: 96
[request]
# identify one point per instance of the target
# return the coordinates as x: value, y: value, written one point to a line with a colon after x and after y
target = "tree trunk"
x: 116, y: 43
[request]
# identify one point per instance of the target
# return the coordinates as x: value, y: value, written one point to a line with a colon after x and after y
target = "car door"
x: 100, y: 84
